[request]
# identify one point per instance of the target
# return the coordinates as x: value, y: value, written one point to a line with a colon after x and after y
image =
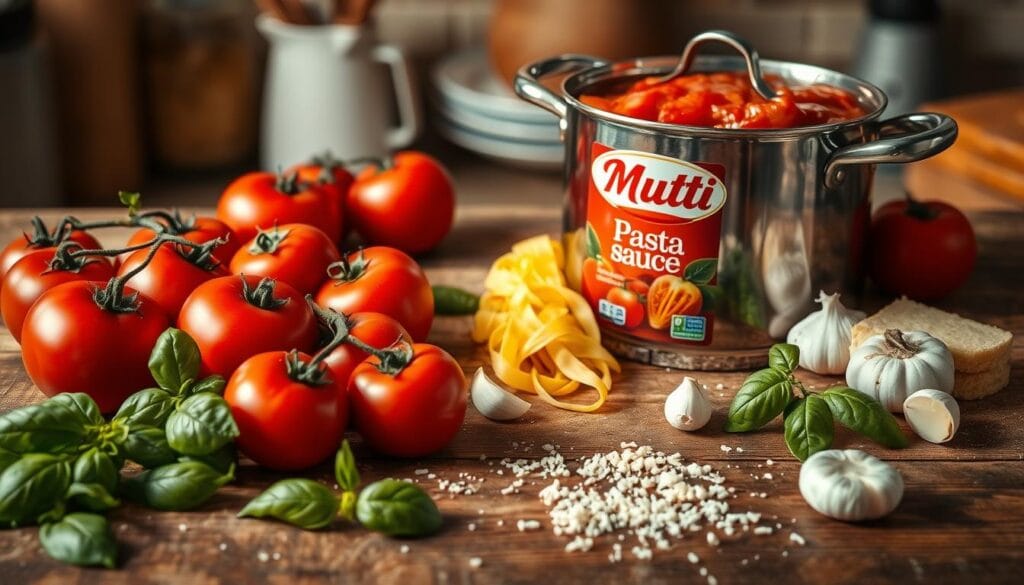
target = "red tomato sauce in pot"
x: 727, y: 100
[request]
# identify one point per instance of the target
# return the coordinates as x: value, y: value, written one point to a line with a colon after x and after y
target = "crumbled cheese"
x: 785, y: 553
x: 769, y: 462
x: 712, y: 580
x: 725, y: 448
x: 475, y: 562
x: 797, y: 538
x: 223, y: 546
x: 421, y: 472
x: 404, y: 549
x: 763, y: 530
x: 182, y: 527
x: 768, y: 476
x: 713, y: 539
x: 263, y: 556
x: 719, y: 386
x: 703, y: 571
x: 276, y: 556
x: 739, y: 449
x: 692, y: 557
x: 524, y: 525
x: 471, y: 527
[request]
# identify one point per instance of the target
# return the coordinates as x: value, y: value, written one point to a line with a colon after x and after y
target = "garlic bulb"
x: 850, y: 485
x: 824, y: 336
x: 934, y: 415
x: 786, y: 283
x: 894, y: 365
x: 686, y: 408
x: 493, y: 401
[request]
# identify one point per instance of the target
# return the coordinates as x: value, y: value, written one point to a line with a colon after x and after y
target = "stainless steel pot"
x: 798, y: 207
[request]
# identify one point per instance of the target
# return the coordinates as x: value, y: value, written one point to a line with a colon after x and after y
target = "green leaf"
x: 96, y: 466
x: 784, y: 357
x: 174, y: 360
x: 52, y: 426
x: 701, y: 271
x: 345, y: 470
x: 762, y: 397
x: 397, y: 508
x: 201, y: 425
x: 808, y: 427
x: 212, y: 384
x: 451, y: 300
x: 149, y: 407
x: 223, y: 459
x: 299, y: 502
x: 131, y: 200
x: 593, y: 242
x: 80, y: 403
x: 862, y: 413
x: 91, y: 496
x: 176, y: 486
x: 80, y: 539
x: 148, y: 447
x: 32, y: 486
x: 7, y: 458
x: 710, y: 296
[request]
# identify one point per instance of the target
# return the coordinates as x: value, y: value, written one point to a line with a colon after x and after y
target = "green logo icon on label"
x: 688, y: 327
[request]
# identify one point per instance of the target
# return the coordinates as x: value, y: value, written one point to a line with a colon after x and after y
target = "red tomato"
x: 332, y: 177
x: 408, y: 205
x: 414, y: 412
x: 70, y: 344
x: 922, y: 249
x: 374, y: 329
x: 596, y: 273
x: 283, y: 422
x: 382, y: 280
x: 199, y: 230
x: 638, y: 286
x: 295, y: 253
x: 20, y: 247
x: 630, y: 301
x: 259, y: 200
x: 170, y: 278
x: 230, y: 325
x: 31, y: 276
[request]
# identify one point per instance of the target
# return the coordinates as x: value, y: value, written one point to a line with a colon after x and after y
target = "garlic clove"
x: 493, y: 401
x: 686, y: 407
x: 934, y: 415
x: 850, y: 485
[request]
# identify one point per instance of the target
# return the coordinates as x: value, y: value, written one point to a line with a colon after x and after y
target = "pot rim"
x: 868, y: 95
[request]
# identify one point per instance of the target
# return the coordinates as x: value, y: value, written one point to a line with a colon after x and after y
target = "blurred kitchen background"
x: 173, y: 97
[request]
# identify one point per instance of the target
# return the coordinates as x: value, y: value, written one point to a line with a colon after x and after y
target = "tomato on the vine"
x: 922, y: 249
x: 289, y: 416
x: 631, y: 303
x: 382, y: 280
x: 232, y: 318
x: 199, y: 230
x: 374, y: 329
x: 35, y: 274
x: 41, y: 240
x: 413, y: 412
x: 172, y: 275
x: 295, y: 253
x: 260, y: 200
x: 76, y: 339
x: 407, y: 203
x: 332, y: 176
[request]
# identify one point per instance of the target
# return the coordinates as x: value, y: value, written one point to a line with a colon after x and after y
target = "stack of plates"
x: 476, y: 111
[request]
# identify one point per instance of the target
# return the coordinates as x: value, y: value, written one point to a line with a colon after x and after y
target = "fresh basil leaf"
x: 96, y: 466
x: 148, y: 447
x: 176, y: 486
x: 175, y: 359
x: 784, y: 357
x: 149, y: 407
x: 701, y: 271
x: 762, y: 397
x: 52, y: 426
x: 299, y: 502
x: 223, y: 459
x: 82, y: 539
x: 397, y: 508
x: 91, y: 496
x: 345, y: 470
x: 593, y: 243
x: 201, y: 425
x: 212, y: 384
x: 80, y: 403
x: 7, y: 458
x: 31, y: 486
x: 808, y: 427
x: 862, y: 413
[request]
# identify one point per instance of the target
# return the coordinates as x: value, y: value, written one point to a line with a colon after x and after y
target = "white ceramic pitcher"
x: 328, y: 88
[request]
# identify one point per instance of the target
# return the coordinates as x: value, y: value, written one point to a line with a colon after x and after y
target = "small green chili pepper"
x: 450, y: 300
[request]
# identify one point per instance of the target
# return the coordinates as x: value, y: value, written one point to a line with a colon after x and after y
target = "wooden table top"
x: 961, y: 520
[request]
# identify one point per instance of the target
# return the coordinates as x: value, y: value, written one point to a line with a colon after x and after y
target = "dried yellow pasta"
x: 542, y: 335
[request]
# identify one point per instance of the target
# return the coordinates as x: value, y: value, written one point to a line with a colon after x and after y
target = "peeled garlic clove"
x: 493, y: 401
x: 686, y: 408
x: 933, y: 414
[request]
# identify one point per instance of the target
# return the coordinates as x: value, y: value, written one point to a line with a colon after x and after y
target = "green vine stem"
x: 267, y: 241
x: 345, y: 271
x: 384, y: 163
x: 288, y: 183
x: 262, y: 296
x: 328, y: 164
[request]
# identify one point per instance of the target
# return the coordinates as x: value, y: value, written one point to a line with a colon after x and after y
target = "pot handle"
x: 742, y: 46
x: 906, y: 138
x: 527, y: 82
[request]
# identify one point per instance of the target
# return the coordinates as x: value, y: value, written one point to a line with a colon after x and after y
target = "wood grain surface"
x: 961, y: 521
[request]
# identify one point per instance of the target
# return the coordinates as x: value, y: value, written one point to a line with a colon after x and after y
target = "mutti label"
x: 652, y: 236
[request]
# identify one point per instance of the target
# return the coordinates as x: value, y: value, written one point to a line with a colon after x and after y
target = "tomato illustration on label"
x: 651, y: 244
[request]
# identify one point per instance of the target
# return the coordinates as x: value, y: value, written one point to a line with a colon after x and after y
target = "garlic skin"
x: 894, y: 365
x: 686, y: 408
x: 932, y: 414
x: 824, y: 336
x: 850, y: 485
x: 493, y: 401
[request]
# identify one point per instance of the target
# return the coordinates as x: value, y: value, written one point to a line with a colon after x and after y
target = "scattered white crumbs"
x: 182, y: 527
x: 263, y: 556
x: 725, y: 448
x: 475, y: 562
x: 501, y: 522
x: 223, y: 546
x: 712, y: 580
x: 739, y: 449
x: 421, y: 472
x: 763, y: 530
x: 719, y: 386
x: 797, y: 538
x: 524, y: 525
x: 276, y: 556
x: 768, y: 476
x: 785, y: 553
x: 769, y: 462
x: 471, y: 527
x: 404, y: 549
x: 703, y: 571
x: 713, y: 539
x: 692, y: 557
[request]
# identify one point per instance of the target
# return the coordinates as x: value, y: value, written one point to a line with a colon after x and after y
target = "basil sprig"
x: 80, y: 539
x: 300, y: 502
x: 397, y: 508
x: 808, y: 418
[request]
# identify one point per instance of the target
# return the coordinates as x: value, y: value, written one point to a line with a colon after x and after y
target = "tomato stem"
x: 266, y: 241
x: 385, y: 163
x: 262, y: 296
x: 328, y: 164
x: 919, y: 210
x: 288, y: 183
x: 348, y: 271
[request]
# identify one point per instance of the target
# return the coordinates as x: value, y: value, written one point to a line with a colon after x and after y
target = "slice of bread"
x: 976, y: 347
x: 979, y: 385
